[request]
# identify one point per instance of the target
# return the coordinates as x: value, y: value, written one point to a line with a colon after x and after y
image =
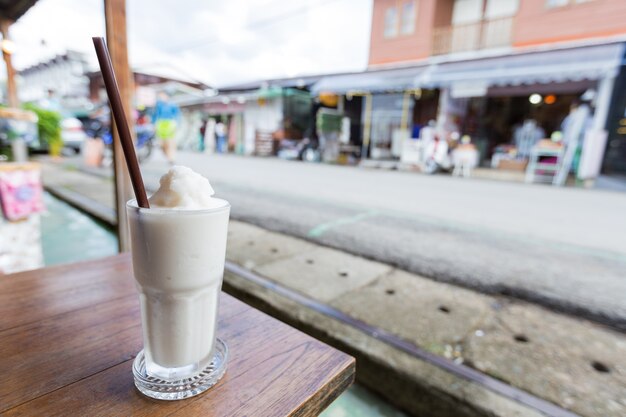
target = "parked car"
x: 72, y: 133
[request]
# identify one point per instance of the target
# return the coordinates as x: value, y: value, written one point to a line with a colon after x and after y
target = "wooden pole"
x: 367, y: 126
x: 404, y: 118
x: 12, y: 100
x: 115, y: 15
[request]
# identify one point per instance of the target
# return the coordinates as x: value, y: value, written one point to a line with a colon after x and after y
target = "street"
x: 561, y: 247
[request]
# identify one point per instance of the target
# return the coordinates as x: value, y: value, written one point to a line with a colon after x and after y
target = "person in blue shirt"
x: 165, y: 118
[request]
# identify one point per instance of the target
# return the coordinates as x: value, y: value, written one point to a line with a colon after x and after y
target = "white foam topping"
x: 184, y: 189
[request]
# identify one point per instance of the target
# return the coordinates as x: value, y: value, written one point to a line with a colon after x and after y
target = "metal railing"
x: 474, y: 36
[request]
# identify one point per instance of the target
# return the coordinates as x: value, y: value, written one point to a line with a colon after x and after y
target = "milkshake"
x: 178, y: 249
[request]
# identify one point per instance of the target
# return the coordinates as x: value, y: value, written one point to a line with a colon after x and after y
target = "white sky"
x: 219, y: 42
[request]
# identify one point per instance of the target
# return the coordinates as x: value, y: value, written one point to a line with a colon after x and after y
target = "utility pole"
x: 115, y: 16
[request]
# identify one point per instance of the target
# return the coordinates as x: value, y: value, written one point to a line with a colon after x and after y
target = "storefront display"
x: 387, y: 131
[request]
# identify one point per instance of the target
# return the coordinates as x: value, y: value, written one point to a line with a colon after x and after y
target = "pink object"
x: 21, y: 193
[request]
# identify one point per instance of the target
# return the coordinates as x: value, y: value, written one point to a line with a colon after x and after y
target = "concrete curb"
x: 87, y: 205
x: 416, y: 386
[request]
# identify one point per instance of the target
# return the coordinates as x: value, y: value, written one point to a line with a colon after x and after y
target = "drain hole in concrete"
x: 343, y: 274
x: 444, y: 309
x: 274, y: 250
x: 600, y: 367
x: 390, y: 292
x: 521, y: 338
x: 250, y: 243
x: 309, y: 261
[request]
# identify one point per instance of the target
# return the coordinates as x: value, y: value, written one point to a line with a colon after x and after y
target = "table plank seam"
x: 80, y: 379
x: 64, y: 386
x: 29, y: 323
x: 106, y: 262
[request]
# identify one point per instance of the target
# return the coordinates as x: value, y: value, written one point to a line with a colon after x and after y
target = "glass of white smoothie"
x: 178, y: 249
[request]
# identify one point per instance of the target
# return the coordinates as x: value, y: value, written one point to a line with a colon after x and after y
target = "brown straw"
x: 113, y: 91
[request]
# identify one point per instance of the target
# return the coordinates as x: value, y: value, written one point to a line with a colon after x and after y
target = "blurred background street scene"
x: 450, y: 174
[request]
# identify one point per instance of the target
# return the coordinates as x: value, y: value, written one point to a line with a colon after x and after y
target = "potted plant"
x: 49, y: 129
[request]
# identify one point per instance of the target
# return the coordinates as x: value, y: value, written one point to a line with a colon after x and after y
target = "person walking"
x: 201, y: 137
x: 220, y: 135
x: 165, y: 118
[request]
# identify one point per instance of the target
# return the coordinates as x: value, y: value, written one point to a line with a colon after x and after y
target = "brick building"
x: 414, y: 30
x: 472, y: 65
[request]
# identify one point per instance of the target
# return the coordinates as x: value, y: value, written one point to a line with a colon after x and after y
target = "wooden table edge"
x: 325, y: 396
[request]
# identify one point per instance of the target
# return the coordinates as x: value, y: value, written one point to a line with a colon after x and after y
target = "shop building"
x: 144, y: 81
x: 383, y: 107
x: 484, y: 67
x: 257, y: 115
x: 489, y: 98
x: 63, y: 77
x: 615, y: 156
x: 410, y: 31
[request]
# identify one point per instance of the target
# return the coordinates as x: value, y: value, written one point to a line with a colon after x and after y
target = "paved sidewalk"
x: 576, y: 364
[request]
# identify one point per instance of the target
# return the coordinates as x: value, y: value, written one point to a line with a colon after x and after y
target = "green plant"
x: 48, y: 126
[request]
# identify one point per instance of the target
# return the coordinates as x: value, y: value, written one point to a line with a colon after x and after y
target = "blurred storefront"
x: 510, y: 73
x: 489, y: 98
x: 388, y: 109
x: 615, y: 156
x: 486, y: 100
x: 212, y: 110
x: 257, y: 116
x: 145, y: 84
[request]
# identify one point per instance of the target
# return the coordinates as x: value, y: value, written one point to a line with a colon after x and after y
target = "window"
x: 391, y: 22
x: 467, y: 11
x: 556, y: 3
x: 473, y: 11
x: 501, y: 8
x: 560, y: 3
x: 408, y: 17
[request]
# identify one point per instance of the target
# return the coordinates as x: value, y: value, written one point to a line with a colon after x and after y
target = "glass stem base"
x: 180, y: 389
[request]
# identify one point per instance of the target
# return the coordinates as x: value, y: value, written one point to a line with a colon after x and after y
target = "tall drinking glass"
x: 178, y: 263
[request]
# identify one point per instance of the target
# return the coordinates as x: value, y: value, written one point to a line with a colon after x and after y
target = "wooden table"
x: 68, y: 336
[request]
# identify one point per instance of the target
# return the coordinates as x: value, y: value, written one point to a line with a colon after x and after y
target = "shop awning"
x: 270, y: 92
x: 14, y: 9
x: 573, y: 64
x: 399, y: 79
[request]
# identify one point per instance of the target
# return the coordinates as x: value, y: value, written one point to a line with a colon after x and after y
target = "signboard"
x: 224, y: 108
x: 466, y: 89
x: 20, y: 191
x: 145, y: 96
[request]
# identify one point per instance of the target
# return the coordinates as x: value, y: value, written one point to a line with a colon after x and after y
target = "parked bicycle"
x: 97, y: 128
